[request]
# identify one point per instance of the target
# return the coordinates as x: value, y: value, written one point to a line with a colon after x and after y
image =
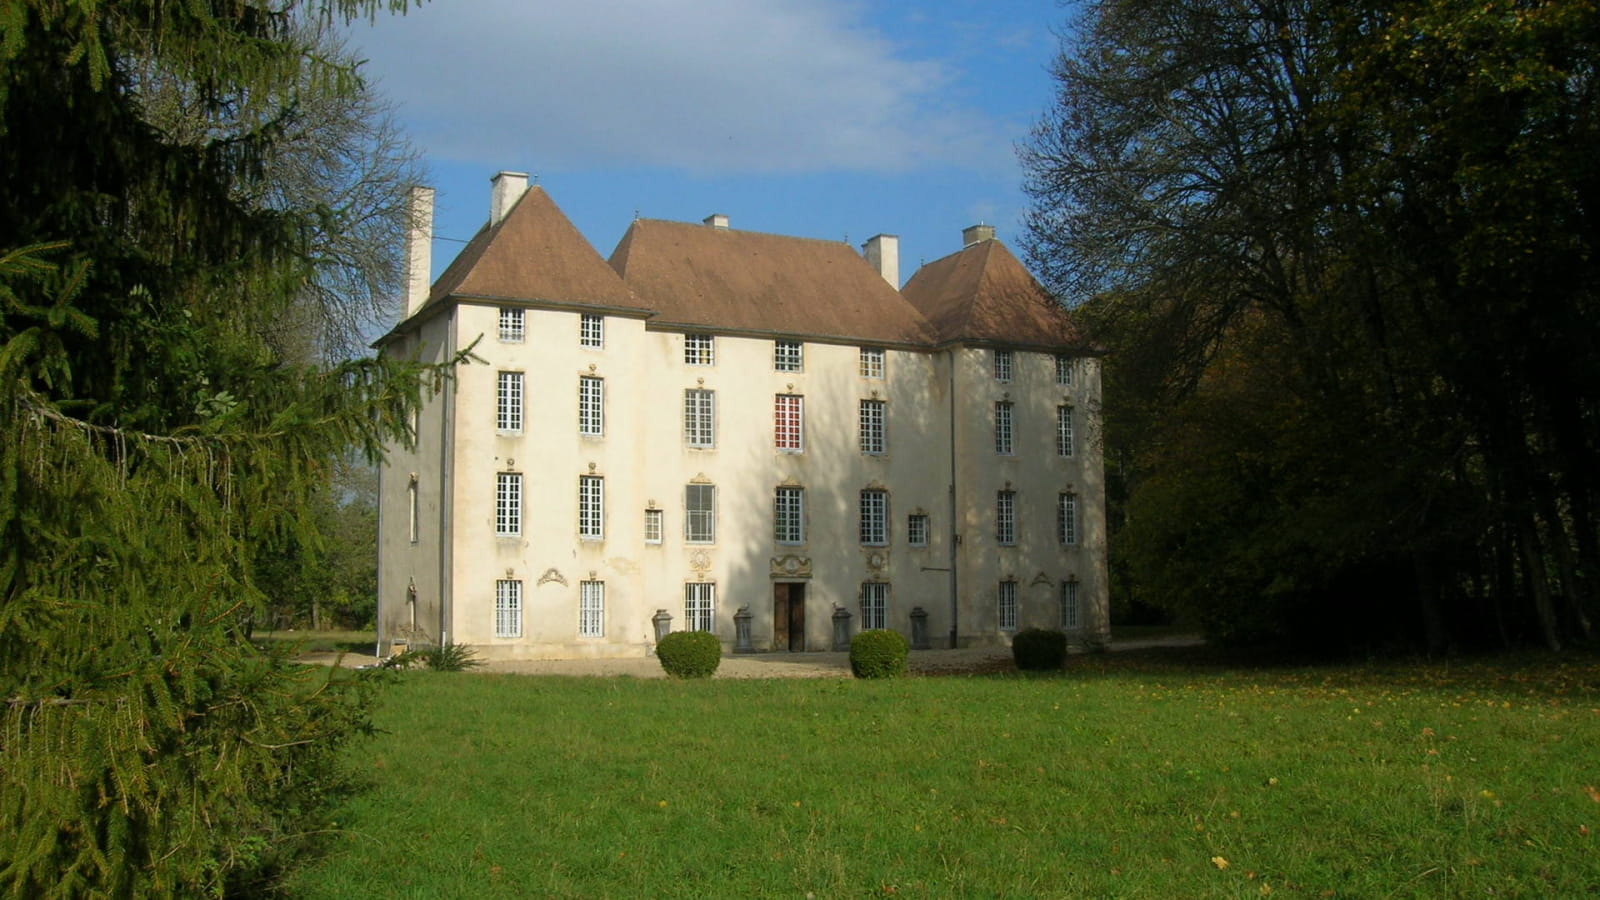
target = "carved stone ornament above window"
x: 791, y: 566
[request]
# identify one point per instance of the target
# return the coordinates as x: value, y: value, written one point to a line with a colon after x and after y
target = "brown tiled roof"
x: 984, y: 293
x: 732, y: 280
x: 535, y: 253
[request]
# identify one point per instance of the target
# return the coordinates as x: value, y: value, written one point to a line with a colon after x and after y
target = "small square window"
x: 591, y: 331
x: 788, y: 356
x: 872, y: 362
x: 699, y: 349
x: 511, y: 325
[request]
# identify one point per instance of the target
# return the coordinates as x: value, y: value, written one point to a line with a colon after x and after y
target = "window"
x: 917, y: 529
x: 789, y: 422
x: 508, y: 403
x: 1069, y: 604
x: 1003, y: 360
x: 411, y: 501
x: 700, y: 418
x: 700, y: 513
x: 1063, y: 369
x: 591, y: 331
x: 874, y: 605
x: 700, y: 606
x: 591, y: 609
x: 871, y: 362
x: 591, y: 507
x: 788, y: 356
x: 873, y: 438
x: 1005, y: 512
x: 508, y: 504
x: 591, y: 406
x: 874, y: 517
x: 652, y: 526
x: 1002, y: 427
x: 1067, y: 519
x: 788, y: 515
x: 511, y: 330
x: 698, y: 349
x: 1008, y: 606
x: 1063, y: 431
x: 507, y: 609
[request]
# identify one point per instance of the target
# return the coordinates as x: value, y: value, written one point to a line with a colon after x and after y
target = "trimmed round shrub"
x: 690, y: 654
x: 1039, y: 649
x: 878, y: 653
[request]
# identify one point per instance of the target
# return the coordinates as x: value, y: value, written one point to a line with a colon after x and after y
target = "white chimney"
x: 883, y: 253
x: 419, y: 249
x: 715, y: 220
x: 508, y: 189
x: 976, y: 234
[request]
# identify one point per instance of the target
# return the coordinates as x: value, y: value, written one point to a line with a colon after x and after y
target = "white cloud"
x: 709, y: 86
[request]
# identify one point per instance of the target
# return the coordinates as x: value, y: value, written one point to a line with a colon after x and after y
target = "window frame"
x: 874, y: 604
x: 591, y: 508
x: 789, y: 509
x: 700, y: 606
x: 592, y: 608
x: 1064, y: 367
x: 1005, y: 518
x: 788, y: 356
x: 789, y: 423
x: 872, y: 426
x: 1067, y: 519
x: 1071, y: 611
x: 509, y: 398
x: 873, y: 508
x: 655, y: 525
x: 1004, y: 428
x: 1065, y: 443
x: 915, y: 523
x: 700, y: 418
x: 707, y: 516
x: 699, y: 349
x: 1008, y: 605
x: 513, y: 325
x: 592, y: 331
x: 1005, y: 365
x: 508, y: 608
x: 591, y: 406
x: 873, y: 363
x: 508, y: 504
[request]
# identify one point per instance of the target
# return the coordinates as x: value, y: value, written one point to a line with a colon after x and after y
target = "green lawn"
x: 1125, y: 777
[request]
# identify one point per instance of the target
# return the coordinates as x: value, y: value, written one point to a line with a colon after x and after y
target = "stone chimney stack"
x: 976, y: 234
x: 508, y: 189
x: 716, y: 220
x: 419, y: 249
x: 883, y: 253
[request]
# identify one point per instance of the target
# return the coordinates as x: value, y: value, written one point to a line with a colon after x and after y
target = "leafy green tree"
x: 1343, y: 258
x: 153, y: 436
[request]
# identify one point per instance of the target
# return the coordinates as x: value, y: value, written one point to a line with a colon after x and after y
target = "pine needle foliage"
x: 150, y: 437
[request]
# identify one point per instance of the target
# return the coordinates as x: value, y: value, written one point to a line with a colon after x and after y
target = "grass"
x: 331, y: 641
x: 1129, y: 776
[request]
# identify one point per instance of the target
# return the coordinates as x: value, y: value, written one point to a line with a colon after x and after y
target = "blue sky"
x: 819, y: 118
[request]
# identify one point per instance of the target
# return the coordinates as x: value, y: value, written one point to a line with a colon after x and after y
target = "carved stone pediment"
x: 791, y: 566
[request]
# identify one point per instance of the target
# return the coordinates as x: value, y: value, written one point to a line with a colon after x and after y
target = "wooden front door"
x: 789, y: 616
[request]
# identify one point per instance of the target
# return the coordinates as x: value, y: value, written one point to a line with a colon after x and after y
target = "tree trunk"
x: 1538, y: 581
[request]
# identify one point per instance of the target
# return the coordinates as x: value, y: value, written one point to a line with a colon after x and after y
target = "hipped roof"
x: 984, y: 293
x: 725, y: 279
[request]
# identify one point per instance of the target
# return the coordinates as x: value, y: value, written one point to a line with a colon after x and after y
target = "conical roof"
x: 984, y: 293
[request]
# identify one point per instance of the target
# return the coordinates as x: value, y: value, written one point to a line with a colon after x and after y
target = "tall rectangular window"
x: 788, y: 515
x: 1064, y: 431
x: 591, y: 406
x: 1067, y: 518
x: 917, y: 529
x: 874, y: 604
x: 874, y: 517
x: 653, y: 526
x: 1008, y: 606
x: 508, y: 403
x: 874, y: 437
x: 1003, y: 361
x: 511, y: 330
x: 788, y: 356
x: 699, y: 349
x: 1005, y: 511
x: 591, y: 331
x: 871, y: 362
x: 700, y: 418
x: 789, y: 422
x: 1002, y: 428
x: 508, y: 504
x: 1069, y: 605
x: 591, y: 609
x: 591, y: 507
x: 1063, y: 369
x: 507, y: 608
x: 700, y: 513
x: 700, y: 606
